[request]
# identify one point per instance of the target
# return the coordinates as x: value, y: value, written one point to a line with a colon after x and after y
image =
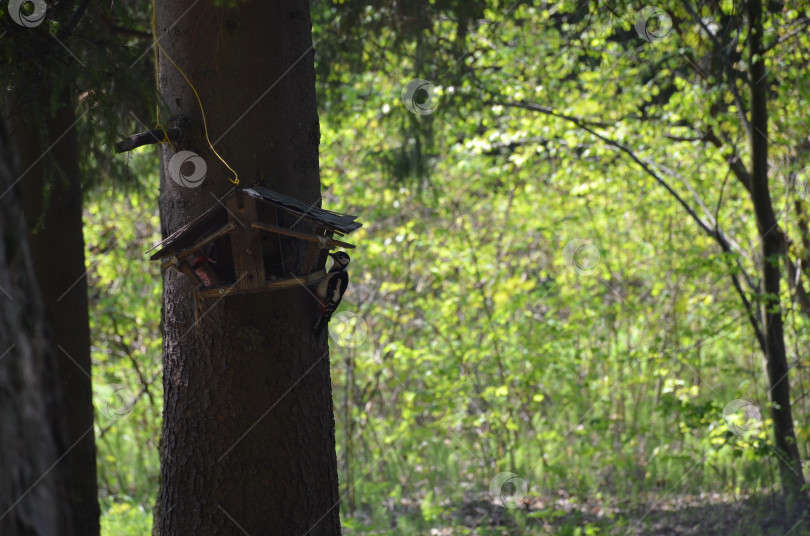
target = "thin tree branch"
x: 731, y: 74
x: 66, y: 30
x: 127, y: 350
x: 795, y: 284
x: 714, y: 233
x: 798, y: 31
x: 733, y: 246
x: 707, y: 228
x: 132, y: 403
x: 733, y: 160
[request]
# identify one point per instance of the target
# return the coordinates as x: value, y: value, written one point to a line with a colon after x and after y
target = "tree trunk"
x: 248, y: 433
x: 790, y: 467
x: 34, y: 496
x: 52, y: 202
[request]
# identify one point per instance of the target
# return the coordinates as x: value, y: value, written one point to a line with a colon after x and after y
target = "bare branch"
x: 788, y: 36
x: 731, y: 74
x: 733, y: 160
x: 710, y: 230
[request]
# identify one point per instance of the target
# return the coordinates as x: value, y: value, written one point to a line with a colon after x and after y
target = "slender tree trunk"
x: 34, y: 495
x: 790, y: 467
x: 248, y: 433
x: 52, y: 202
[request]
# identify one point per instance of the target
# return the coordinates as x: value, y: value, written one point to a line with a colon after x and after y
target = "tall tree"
x: 35, y: 496
x: 52, y: 201
x: 773, y: 247
x: 716, y: 36
x: 64, y: 54
x: 43, y: 124
x: 248, y: 432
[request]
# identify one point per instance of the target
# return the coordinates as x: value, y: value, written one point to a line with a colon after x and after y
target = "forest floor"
x: 704, y: 515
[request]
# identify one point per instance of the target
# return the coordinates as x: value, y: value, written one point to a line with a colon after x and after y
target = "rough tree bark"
x: 34, y: 496
x: 248, y: 433
x: 790, y: 467
x: 52, y: 202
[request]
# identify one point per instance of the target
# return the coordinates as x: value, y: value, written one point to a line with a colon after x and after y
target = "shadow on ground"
x: 668, y: 516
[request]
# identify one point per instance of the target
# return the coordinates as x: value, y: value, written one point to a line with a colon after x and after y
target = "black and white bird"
x: 331, y: 289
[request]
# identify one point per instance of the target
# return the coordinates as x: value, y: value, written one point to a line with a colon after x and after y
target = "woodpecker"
x: 199, y: 266
x: 331, y: 290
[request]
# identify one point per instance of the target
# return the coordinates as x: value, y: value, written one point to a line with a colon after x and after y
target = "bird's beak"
x: 332, y: 255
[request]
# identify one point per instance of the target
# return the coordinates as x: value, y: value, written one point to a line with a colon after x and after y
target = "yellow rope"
x: 235, y: 178
x: 165, y: 133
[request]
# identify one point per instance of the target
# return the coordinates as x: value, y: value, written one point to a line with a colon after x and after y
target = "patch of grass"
x: 126, y: 519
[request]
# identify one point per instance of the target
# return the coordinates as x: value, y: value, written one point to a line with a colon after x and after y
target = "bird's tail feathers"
x: 319, y: 326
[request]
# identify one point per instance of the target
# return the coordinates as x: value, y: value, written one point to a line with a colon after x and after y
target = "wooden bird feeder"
x: 245, y: 243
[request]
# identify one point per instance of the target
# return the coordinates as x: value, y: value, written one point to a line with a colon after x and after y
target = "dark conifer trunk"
x: 37, y: 490
x: 52, y: 203
x: 248, y: 433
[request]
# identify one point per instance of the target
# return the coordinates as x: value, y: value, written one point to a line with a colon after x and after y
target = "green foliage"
x: 124, y: 519
x: 93, y: 57
x: 125, y: 297
x: 532, y: 301
x: 552, y: 310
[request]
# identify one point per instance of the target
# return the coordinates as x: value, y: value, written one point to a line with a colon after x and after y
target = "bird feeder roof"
x: 202, y: 226
x: 333, y: 221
